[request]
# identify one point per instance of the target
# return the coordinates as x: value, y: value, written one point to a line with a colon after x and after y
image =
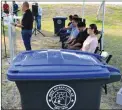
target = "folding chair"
x: 106, y: 55
x: 99, y: 40
x: 98, y: 49
x: 107, y: 58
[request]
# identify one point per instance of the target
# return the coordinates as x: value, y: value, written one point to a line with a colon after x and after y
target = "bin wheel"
x: 105, y: 88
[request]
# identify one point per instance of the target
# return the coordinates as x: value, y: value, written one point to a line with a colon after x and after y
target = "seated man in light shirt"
x: 74, y: 32
x: 66, y: 31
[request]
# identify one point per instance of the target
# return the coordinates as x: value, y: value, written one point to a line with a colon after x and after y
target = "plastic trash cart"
x: 59, y: 22
x: 60, y: 79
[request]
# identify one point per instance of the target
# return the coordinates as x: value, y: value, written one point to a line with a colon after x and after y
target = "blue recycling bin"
x: 60, y: 79
x: 59, y: 23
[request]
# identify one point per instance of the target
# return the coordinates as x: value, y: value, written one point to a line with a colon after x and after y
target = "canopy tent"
x: 10, y: 29
x: 59, y: 1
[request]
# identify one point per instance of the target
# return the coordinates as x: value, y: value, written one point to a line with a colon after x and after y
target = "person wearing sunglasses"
x: 91, y: 43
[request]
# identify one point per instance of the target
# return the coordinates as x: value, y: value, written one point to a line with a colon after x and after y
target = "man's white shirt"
x: 40, y: 11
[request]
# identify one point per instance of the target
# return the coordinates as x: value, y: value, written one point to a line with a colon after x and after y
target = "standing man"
x: 26, y: 25
x: 38, y: 17
x: 6, y: 8
x: 15, y: 8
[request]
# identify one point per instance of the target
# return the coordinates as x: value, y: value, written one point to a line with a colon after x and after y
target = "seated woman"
x: 91, y: 43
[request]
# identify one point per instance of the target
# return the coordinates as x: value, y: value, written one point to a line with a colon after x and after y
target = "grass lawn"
x: 112, y: 44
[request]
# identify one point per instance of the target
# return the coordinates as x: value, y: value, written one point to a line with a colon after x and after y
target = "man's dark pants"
x: 38, y: 21
x: 6, y: 11
x: 26, y: 36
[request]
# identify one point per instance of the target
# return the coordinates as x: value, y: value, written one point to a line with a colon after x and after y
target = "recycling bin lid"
x: 56, y: 65
x: 60, y: 17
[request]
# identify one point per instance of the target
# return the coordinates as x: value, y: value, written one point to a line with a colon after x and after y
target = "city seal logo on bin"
x: 59, y: 21
x: 61, y: 97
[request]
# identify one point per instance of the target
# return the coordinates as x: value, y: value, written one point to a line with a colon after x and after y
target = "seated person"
x: 78, y: 42
x: 65, y: 29
x: 70, y: 19
x: 74, y: 32
x: 82, y: 20
x: 68, y: 29
x: 91, y: 43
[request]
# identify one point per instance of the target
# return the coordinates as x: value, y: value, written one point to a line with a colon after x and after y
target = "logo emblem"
x: 59, y: 21
x: 61, y: 97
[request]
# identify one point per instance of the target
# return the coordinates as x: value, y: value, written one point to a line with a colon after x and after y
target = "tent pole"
x: 83, y: 10
x: 10, y: 42
x: 98, y: 11
x: 103, y: 20
x: 11, y: 39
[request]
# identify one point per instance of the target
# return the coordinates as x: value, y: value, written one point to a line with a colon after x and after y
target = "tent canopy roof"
x: 64, y: 0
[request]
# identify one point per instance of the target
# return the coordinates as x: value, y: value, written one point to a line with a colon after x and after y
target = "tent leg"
x: 103, y: 20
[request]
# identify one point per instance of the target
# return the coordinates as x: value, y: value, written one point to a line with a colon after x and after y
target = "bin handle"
x: 112, y: 69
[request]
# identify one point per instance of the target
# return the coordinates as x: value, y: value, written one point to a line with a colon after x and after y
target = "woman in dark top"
x: 78, y: 42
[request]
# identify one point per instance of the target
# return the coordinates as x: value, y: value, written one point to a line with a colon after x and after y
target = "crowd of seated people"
x: 77, y: 37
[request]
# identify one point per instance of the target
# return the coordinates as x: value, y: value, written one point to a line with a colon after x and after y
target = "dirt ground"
x: 10, y: 94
